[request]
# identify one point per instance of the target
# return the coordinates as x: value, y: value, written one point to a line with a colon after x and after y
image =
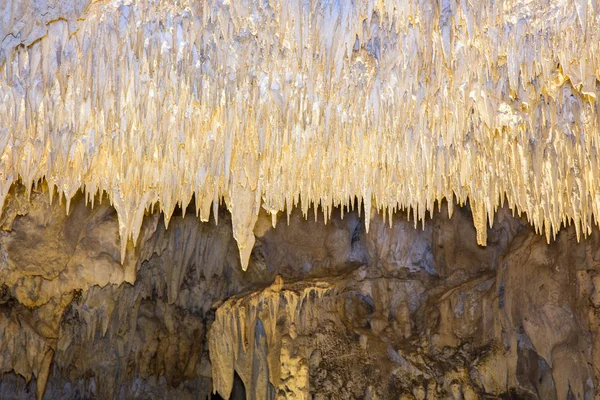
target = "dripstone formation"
x: 323, y: 311
x: 261, y: 199
x: 267, y: 105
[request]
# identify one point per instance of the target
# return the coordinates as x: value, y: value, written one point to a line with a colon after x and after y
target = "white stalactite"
x: 272, y: 103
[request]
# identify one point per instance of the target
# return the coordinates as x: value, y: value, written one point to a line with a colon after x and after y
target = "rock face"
x: 324, y: 311
x: 254, y: 111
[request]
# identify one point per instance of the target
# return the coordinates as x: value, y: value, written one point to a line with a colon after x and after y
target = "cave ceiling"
x: 383, y: 104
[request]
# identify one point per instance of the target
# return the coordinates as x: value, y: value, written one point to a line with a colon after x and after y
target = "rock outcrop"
x: 323, y: 311
x: 478, y: 121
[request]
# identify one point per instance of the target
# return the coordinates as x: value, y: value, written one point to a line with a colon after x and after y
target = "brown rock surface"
x: 324, y: 311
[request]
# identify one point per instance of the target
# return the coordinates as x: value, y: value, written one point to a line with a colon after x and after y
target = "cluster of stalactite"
x: 395, y: 104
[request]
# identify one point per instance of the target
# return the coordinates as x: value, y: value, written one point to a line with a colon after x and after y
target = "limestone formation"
x: 351, y: 121
x: 272, y: 104
x: 323, y: 311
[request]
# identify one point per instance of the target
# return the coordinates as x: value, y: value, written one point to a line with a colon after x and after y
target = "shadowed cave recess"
x: 324, y: 311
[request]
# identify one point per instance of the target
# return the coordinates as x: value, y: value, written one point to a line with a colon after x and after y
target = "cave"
x: 289, y: 199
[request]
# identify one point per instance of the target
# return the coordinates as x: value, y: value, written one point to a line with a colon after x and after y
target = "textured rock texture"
x: 325, y: 311
x: 256, y: 111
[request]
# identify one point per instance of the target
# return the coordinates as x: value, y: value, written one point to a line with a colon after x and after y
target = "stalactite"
x: 270, y: 104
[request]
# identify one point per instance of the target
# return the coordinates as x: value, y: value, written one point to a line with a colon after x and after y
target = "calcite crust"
x: 399, y: 104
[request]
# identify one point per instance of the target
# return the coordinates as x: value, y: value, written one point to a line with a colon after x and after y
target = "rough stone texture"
x: 325, y: 311
x: 245, y: 108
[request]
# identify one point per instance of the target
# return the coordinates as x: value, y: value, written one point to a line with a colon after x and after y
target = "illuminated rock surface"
x: 245, y: 111
x: 400, y: 103
x: 323, y: 311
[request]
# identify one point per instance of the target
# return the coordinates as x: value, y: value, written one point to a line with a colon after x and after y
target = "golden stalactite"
x: 400, y: 104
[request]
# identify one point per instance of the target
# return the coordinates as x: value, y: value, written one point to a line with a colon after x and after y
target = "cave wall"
x: 243, y: 109
x: 323, y: 311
